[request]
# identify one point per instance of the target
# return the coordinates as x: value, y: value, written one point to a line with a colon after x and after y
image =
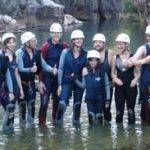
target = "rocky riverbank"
x: 33, y: 13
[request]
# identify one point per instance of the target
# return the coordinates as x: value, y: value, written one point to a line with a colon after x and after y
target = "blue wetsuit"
x: 69, y: 65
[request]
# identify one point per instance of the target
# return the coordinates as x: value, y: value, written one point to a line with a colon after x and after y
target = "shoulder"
x: 65, y: 44
x: 19, y: 52
x: 111, y: 53
x: 65, y: 51
x: 142, y: 49
x: 45, y: 46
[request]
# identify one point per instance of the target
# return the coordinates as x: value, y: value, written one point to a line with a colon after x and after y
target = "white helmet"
x: 123, y: 37
x: 147, y: 29
x: 99, y: 37
x: 55, y: 27
x: 93, y: 54
x: 27, y: 36
x: 7, y: 36
x: 77, y: 34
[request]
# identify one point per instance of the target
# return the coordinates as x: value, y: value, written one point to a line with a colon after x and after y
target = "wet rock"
x: 70, y: 20
x: 7, y: 22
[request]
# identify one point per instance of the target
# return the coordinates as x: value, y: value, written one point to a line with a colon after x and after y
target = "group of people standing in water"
x: 65, y: 71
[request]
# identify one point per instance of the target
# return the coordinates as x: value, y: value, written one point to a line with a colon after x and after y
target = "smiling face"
x: 10, y: 43
x: 93, y: 62
x: 56, y: 36
x: 121, y: 46
x: 78, y: 42
x: 32, y: 43
x: 99, y: 45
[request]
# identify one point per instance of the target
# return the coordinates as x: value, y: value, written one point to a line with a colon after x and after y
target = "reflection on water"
x: 70, y: 137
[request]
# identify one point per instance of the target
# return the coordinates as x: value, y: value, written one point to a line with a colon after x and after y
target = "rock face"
x: 143, y: 7
x: 41, y: 9
x: 92, y: 9
x: 55, y: 9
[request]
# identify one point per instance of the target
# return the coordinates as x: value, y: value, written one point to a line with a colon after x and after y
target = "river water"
x: 83, y: 137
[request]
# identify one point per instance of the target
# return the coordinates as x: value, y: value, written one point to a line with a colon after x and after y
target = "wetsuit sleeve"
x: 107, y: 87
x: 45, y: 66
x: 61, y: 66
x: 9, y: 82
x: 82, y: 84
x: 20, y: 63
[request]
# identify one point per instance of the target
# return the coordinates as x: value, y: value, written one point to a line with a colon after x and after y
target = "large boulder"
x: 7, y: 23
x: 70, y: 20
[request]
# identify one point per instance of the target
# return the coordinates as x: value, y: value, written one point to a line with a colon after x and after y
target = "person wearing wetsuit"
x: 125, y: 79
x: 72, y: 61
x: 96, y: 83
x: 51, y: 51
x: 30, y: 63
x: 14, y: 86
x: 143, y: 52
x: 99, y: 44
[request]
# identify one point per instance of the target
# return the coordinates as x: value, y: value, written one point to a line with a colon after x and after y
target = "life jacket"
x: 28, y: 63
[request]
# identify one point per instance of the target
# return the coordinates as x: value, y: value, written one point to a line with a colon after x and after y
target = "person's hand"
x: 21, y: 94
x: 133, y: 83
x: 55, y: 70
x: 118, y: 81
x: 85, y: 71
x: 34, y: 68
x: 59, y: 90
x: 107, y: 104
x: 11, y: 96
x: 42, y: 87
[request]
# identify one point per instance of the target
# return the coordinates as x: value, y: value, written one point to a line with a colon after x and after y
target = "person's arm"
x: 143, y: 61
x: 61, y: 70
x: 137, y: 75
x: 9, y: 81
x: 114, y: 73
x: 140, y: 53
x: 81, y: 84
x: 45, y: 66
x: 19, y: 83
x: 9, y: 84
x: 61, y: 66
x: 107, y: 87
x: 110, y: 57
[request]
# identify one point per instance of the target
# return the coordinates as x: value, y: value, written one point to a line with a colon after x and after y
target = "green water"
x: 69, y: 137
